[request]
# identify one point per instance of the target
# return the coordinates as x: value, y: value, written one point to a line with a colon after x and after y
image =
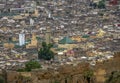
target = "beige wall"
x: 68, y: 46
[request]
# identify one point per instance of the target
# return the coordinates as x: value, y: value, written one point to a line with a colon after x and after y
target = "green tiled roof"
x: 66, y: 40
x: 85, y: 36
x: 60, y: 49
x: 55, y: 46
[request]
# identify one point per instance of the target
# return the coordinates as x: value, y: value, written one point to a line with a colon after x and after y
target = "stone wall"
x: 66, y: 73
x: 104, y: 69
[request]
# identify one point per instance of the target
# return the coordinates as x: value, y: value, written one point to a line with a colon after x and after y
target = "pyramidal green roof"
x: 85, y: 36
x: 66, y: 40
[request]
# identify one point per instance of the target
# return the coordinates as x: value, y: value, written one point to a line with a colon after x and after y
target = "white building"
x: 21, y: 39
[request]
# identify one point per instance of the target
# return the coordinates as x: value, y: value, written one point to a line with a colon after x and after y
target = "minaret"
x: 36, y: 14
x: 21, y: 39
x: 48, y: 35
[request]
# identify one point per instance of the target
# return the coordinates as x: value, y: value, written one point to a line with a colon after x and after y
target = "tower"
x: 33, y: 43
x: 34, y: 40
x: 36, y: 13
x: 48, y: 35
x: 21, y: 39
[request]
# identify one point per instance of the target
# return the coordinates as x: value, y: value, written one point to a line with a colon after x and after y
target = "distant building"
x: 2, y: 6
x: 95, y: 1
x: 113, y: 2
x: 33, y: 43
x: 21, y: 39
x: 66, y: 43
x: 48, y: 35
x: 2, y: 1
x: 9, y: 45
x: 30, y: 6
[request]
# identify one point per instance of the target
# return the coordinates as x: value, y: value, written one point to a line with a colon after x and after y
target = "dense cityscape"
x: 38, y: 35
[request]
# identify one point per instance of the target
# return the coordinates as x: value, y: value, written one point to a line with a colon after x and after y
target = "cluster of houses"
x: 78, y: 31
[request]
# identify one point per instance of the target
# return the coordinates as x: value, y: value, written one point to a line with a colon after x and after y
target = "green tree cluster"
x: 101, y: 4
x: 114, y: 77
x: 56, y: 82
x: 30, y: 65
x: 88, y: 75
x: 2, y: 79
x: 45, y: 52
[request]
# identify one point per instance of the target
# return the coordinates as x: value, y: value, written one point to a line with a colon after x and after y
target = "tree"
x: 101, y: 4
x: 56, y: 82
x: 32, y: 65
x: 45, y: 52
x: 94, y: 5
x: 88, y: 75
x: 114, y: 77
x: 2, y: 79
